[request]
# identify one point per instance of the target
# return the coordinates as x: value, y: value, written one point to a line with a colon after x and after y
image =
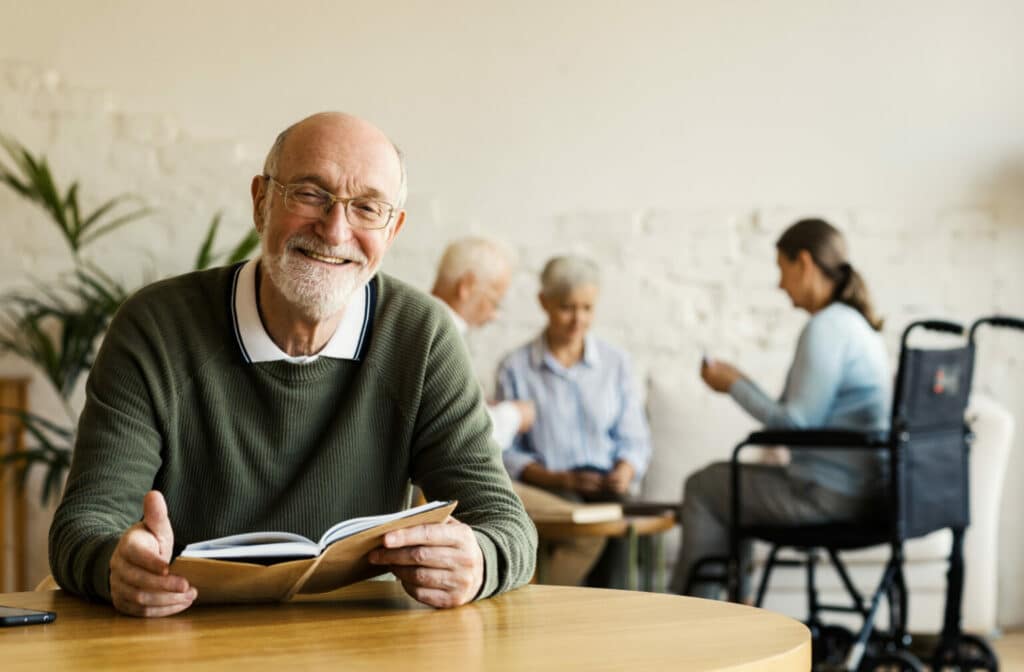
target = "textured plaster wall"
x: 670, y: 141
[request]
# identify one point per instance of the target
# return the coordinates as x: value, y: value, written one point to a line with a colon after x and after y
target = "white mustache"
x: 315, y: 245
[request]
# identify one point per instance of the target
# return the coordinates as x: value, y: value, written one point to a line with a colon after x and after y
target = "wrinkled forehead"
x: 345, y: 156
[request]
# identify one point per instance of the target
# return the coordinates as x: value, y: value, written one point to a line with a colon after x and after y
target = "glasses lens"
x: 368, y: 213
x: 306, y: 200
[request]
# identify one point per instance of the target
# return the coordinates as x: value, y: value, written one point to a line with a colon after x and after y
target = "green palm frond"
x: 57, y: 326
x: 241, y: 251
x: 33, y: 179
x: 57, y: 329
x: 205, y: 257
x: 52, y: 450
x: 244, y: 248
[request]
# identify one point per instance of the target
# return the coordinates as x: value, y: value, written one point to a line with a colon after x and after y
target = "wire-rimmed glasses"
x: 308, y: 200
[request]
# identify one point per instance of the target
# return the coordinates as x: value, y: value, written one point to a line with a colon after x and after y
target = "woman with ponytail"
x: 839, y: 379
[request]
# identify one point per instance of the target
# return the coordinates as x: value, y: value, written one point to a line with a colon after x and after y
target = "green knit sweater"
x: 235, y: 447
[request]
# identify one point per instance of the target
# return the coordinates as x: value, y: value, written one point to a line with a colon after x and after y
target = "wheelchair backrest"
x: 930, y: 439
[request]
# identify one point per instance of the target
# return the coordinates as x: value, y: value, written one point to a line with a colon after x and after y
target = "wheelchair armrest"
x: 826, y: 439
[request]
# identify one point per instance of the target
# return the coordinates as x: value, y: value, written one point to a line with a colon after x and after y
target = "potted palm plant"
x: 57, y: 326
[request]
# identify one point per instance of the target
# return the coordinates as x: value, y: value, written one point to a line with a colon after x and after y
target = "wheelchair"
x: 927, y: 449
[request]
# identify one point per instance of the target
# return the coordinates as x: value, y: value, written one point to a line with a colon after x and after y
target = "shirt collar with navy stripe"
x: 349, y: 341
x: 540, y: 355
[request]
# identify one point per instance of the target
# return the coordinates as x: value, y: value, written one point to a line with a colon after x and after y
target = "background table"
x: 375, y: 626
x: 644, y: 538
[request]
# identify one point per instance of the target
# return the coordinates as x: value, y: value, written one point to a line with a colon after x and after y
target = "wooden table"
x: 375, y: 626
x: 644, y: 536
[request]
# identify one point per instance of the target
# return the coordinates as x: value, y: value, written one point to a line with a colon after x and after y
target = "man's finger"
x: 145, y: 598
x: 424, y: 535
x: 424, y: 577
x: 154, y: 516
x: 414, y: 556
x: 140, y: 547
x: 432, y: 597
x: 151, y: 612
x: 145, y: 580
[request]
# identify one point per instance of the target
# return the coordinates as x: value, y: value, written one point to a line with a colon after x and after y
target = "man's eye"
x: 367, y: 207
x: 308, y: 194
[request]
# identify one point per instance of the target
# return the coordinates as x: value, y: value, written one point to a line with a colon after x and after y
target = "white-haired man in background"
x: 472, y: 279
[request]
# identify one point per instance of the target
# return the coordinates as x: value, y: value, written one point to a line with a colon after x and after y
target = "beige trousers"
x: 568, y: 561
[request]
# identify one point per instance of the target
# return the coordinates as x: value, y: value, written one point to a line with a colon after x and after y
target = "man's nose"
x: 333, y: 227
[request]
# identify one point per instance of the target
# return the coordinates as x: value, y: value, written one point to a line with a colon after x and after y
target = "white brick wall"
x: 676, y: 281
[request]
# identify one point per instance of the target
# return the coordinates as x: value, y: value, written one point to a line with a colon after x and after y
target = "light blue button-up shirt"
x: 587, y: 415
x: 839, y: 379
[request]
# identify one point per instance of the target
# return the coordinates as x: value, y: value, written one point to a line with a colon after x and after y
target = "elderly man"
x: 288, y: 393
x: 472, y: 279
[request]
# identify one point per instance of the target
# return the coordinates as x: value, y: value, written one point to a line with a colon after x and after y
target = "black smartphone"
x: 18, y: 616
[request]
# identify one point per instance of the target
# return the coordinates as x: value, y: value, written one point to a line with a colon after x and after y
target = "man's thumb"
x: 156, y: 520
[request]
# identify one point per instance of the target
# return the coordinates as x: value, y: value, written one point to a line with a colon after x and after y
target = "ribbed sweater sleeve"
x: 117, y: 455
x: 455, y: 457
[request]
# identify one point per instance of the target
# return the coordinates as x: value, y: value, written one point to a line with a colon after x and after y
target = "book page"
x: 354, y: 525
x: 254, y: 545
x: 281, y: 549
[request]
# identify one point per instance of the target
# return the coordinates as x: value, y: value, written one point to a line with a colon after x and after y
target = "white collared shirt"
x: 349, y: 340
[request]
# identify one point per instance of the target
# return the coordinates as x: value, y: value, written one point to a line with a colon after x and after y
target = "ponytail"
x: 827, y: 248
x: 853, y: 291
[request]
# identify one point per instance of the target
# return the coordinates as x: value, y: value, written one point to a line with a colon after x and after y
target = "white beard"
x: 317, y: 290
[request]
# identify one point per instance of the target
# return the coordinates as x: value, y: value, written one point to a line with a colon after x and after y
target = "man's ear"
x: 393, y: 230
x: 464, y: 286
x: 259, y: 192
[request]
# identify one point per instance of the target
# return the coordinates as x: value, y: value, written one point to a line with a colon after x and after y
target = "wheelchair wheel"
x: 830, y: 645
x: 971, y: 653
x: 892, y: 661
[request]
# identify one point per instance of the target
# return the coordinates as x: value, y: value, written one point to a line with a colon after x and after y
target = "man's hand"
x: 440, y: 564
x: 140, y: 582
x: 719, y: 375
x: 620, y: 477
x: 527, y: 414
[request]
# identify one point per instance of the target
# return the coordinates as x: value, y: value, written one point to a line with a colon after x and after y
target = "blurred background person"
x: 472, y: 279
x: 590, y: 440
x: 839, y: 379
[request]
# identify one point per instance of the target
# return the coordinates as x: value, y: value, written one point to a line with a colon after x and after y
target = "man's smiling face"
x: 317, y: 263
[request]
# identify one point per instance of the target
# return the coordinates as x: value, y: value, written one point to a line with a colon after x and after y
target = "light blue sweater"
x: 840, y: 379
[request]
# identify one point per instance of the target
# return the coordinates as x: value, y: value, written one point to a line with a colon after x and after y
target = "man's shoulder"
x: 406, y: 315
x: 191, y: 297
x: 399, y: 296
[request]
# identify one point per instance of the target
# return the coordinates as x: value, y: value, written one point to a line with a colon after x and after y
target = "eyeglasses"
x: 309, y: 200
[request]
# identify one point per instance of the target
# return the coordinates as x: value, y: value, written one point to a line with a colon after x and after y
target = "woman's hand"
x: 719, y: 375
x: 620, y: 477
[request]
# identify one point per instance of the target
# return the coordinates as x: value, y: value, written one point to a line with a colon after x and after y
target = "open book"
x: 273, y: 566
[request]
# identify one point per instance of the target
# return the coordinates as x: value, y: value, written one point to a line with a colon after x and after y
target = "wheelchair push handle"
x: 940, y: 325
x: 932, y: 325
x: 997, y: 321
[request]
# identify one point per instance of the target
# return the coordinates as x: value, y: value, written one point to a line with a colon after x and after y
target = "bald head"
x: 360, y: 133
